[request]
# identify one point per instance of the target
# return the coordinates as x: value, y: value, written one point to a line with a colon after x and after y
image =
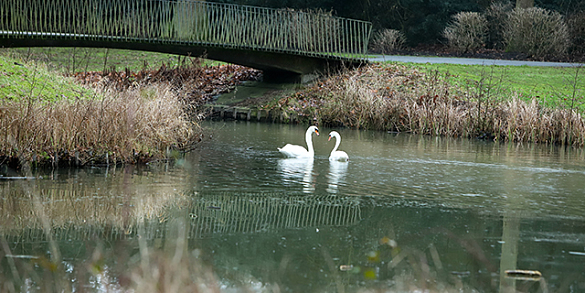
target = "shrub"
x: 576, y: 24
x: 388, y: 40
x: 537, y: 32
x: 496, y: 15
x: 467, y: 32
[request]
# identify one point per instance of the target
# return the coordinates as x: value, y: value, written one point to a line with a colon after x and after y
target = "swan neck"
x: 309, y: 140
x: 337, y: 143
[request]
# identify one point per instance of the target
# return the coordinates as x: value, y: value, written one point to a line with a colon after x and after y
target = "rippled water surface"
x: 406, y: 212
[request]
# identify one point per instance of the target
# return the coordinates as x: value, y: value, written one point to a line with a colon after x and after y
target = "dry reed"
x: 123, y: 126
x: 397, y: 98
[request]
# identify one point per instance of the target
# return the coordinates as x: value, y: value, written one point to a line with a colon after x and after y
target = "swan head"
x: 333, y: 134
x: 313, y: 129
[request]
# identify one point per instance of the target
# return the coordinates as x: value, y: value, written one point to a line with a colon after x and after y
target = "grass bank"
x: 73, y: 60
x: 552, y: 87
x: 405, y: 98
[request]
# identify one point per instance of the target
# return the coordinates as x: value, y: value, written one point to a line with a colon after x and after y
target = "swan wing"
x: 339, y: 156
x: 294, y: 151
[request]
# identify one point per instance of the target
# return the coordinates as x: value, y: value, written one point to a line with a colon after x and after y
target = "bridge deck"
x: 263, y: 38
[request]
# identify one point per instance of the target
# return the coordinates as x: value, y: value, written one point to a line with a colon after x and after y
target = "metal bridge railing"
x: 186, y: 22
x: 234, y: 214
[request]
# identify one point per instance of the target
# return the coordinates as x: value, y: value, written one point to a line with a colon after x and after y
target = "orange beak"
x: 317, y: 131
x: 329, y: 138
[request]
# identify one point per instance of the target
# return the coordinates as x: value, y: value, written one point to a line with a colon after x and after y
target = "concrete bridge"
x: 274, y: 40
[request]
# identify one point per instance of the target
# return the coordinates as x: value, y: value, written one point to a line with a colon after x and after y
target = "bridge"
x: 203, y: 216
x: 280, y: 41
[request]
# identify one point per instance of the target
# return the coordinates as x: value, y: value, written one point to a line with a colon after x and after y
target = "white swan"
x: 335, y: 154
x: 297, y: 151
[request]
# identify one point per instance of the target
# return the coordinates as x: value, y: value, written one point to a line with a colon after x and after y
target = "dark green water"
x: 405, y: 213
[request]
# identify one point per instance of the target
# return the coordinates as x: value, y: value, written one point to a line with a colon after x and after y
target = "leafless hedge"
x: 537, y: 32
x: 576, y: 24
x: 467, y: 32
x: 387, y: 40
x: 496, y: 15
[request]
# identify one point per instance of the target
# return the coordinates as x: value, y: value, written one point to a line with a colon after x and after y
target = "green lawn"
x: 551, y: 86
x: 69, y: 60
x: 20, y: 79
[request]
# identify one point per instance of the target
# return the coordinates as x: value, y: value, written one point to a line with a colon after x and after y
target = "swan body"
x: 335, y: 154
x: 297, y: 151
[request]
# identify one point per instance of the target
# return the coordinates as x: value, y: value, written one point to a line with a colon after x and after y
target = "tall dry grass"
x: 398, y: 98
x: 134, y: 125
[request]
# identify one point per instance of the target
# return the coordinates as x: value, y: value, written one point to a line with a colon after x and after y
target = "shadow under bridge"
x: 279, y: 41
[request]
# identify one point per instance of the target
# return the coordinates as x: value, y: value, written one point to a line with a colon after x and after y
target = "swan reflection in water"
x: 337, y: 171
x: 298, y: 170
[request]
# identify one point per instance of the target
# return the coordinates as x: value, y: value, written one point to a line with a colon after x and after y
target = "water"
x: 406, y: 212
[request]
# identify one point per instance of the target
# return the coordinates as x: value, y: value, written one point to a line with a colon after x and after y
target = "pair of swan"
x: 297, y: 151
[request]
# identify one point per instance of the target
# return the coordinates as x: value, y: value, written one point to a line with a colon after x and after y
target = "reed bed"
x: 123, y: 126
x: 191, y: 81
x: 393, y: 97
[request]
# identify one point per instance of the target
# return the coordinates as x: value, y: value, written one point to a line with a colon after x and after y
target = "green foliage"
x: 421, y: 21
x: 496, y: 15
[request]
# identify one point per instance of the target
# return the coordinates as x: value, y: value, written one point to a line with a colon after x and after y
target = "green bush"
x: 537, y: 32
x: 467, y: 32
x: 387, y: 40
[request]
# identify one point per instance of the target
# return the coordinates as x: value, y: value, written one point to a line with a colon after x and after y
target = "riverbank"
x: 400, y: 98
x: 114, y: 117
x: 100, y: 122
